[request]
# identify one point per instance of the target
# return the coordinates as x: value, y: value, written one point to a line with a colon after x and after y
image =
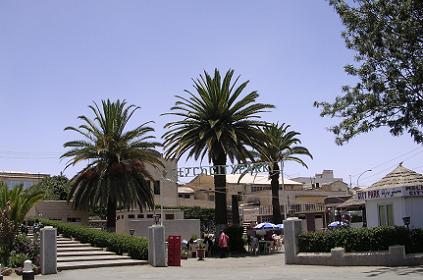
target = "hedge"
x: 136, y: 247
x: 362, y: 239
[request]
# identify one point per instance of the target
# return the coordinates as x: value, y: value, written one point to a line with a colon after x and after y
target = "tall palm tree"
x: 215, y: 121
x: 18, y: 200
x: 280, y: 146
x: 116, y: 175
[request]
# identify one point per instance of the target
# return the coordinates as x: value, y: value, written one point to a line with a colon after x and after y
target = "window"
x: 169, y: 216
x: 131, y: 216
x: 386, y: 215
x: 157, y: 187
x: 74, y: 220
x: 140, y: 216
x: 149, y: 216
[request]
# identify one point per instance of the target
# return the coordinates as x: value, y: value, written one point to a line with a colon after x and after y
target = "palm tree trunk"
x: 111, y: 215
x: 221, y: 216
x: 274, y: 176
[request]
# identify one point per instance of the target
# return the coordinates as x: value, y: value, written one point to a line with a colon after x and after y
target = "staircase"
x: 72, y: 254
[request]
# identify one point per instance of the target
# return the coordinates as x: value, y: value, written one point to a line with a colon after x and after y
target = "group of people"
x: 273, y: 241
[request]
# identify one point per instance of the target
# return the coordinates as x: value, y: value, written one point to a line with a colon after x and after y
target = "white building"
x: 396, y: 196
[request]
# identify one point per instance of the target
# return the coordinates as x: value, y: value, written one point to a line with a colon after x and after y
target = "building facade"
x: 397, y: 199
x: 12, y: 179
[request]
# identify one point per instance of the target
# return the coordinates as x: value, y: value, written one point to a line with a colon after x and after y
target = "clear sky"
x: 56, y: 57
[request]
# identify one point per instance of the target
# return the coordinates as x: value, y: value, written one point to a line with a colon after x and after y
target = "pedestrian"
x: 223, y: 244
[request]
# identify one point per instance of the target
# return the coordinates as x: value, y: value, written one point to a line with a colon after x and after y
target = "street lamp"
x: 368, y: 170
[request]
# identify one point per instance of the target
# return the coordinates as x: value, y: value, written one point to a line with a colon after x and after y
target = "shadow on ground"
x: 408, y: 270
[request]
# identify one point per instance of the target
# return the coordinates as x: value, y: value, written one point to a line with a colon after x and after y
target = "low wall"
x: 395, y: 256
x: 186, y: 228
x: 59, y: 210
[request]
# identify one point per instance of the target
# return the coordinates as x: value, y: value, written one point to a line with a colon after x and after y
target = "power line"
x: 390, y: 160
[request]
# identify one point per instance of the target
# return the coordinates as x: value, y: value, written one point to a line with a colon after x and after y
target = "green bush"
x: 205, y: 215
x: 136, y: 247
x: 17, y: 259
x: 362, y: 239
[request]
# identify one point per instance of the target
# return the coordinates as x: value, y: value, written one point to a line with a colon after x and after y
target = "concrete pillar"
x: 48, y: 250
x: 292, y: 228
x: 156, y: 245
x: 337, y: 255
x: 396, y: 256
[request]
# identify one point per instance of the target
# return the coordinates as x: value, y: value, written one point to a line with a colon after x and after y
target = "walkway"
x: 263, y: 267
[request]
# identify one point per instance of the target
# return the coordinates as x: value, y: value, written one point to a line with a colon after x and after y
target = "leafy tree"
x: 54, y: 187
x: 19, y: 200
x: 280, y: 146
x: 8, y: 229
x: 116, y: 174
x: 387, y: 36
x: 215, y: 121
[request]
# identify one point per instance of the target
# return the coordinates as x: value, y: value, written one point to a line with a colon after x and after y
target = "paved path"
x: 262, y: 268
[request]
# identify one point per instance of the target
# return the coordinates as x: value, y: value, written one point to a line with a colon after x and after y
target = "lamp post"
x: 368, y: 170
x: 285, y: 206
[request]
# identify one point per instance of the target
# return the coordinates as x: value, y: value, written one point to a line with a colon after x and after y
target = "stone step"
x: 91, y: 258
x: 73, y: 245
x: 84, y: 253
x: 95, y: 264
x: 78, y: 249
x: 60, y: 242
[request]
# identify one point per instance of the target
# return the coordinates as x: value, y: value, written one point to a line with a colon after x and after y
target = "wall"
x: 168, y: 186
x: 58, y: 210
x: 185, y: 228
x: 414, y: 209
x: 372, y: 212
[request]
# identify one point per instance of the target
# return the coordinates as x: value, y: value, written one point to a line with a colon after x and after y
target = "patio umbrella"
x: 337, y: 224
x: 265, y: 226
x: 280, y: 226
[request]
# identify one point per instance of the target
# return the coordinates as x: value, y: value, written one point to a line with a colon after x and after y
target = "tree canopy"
x: 219, y: 121
x: 387, y: 36
x: 116, y: 174
x: 54, y: 187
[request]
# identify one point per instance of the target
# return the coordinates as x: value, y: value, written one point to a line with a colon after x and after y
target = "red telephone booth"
x: 174, y: 251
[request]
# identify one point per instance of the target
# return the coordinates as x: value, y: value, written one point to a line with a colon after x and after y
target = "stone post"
x: 156, y: 246
x: 48, y: 250
x: 27, y: 272
x: 292, y: 228
x: 396, y: 256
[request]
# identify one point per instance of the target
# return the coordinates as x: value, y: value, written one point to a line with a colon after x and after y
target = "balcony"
x: 294, y: 208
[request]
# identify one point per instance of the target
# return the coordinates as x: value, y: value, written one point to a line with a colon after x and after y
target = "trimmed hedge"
x: 362, y: 239
x: 136, y: 247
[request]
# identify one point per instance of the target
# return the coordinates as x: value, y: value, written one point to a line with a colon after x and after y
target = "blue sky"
x: 57, y: 57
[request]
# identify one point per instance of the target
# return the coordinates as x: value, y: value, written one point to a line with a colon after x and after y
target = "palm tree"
x: 215, y: 121
x: 115, y: 176
x: 18, y: 200
x: 280, y: 147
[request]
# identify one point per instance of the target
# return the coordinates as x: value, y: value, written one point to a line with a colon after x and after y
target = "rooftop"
x: 399, y: 177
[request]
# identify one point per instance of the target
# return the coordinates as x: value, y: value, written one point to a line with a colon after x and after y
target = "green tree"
x: 280, y: 146
x: 387, y: 36
x: 54, y: 187
x: 116, y: 175
x: 215, y: 121
x: 19, y: 200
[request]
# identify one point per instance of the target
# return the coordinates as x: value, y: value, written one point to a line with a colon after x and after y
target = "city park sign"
x: 386, y: 193
x: 242, y: 168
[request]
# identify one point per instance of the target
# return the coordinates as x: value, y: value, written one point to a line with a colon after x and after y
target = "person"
x: 254, y: 245
x: 223, y: 244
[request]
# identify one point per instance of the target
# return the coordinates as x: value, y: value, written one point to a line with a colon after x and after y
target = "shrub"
x: 362, y: 239
x: 17, y: 259
x: 136, y: 247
